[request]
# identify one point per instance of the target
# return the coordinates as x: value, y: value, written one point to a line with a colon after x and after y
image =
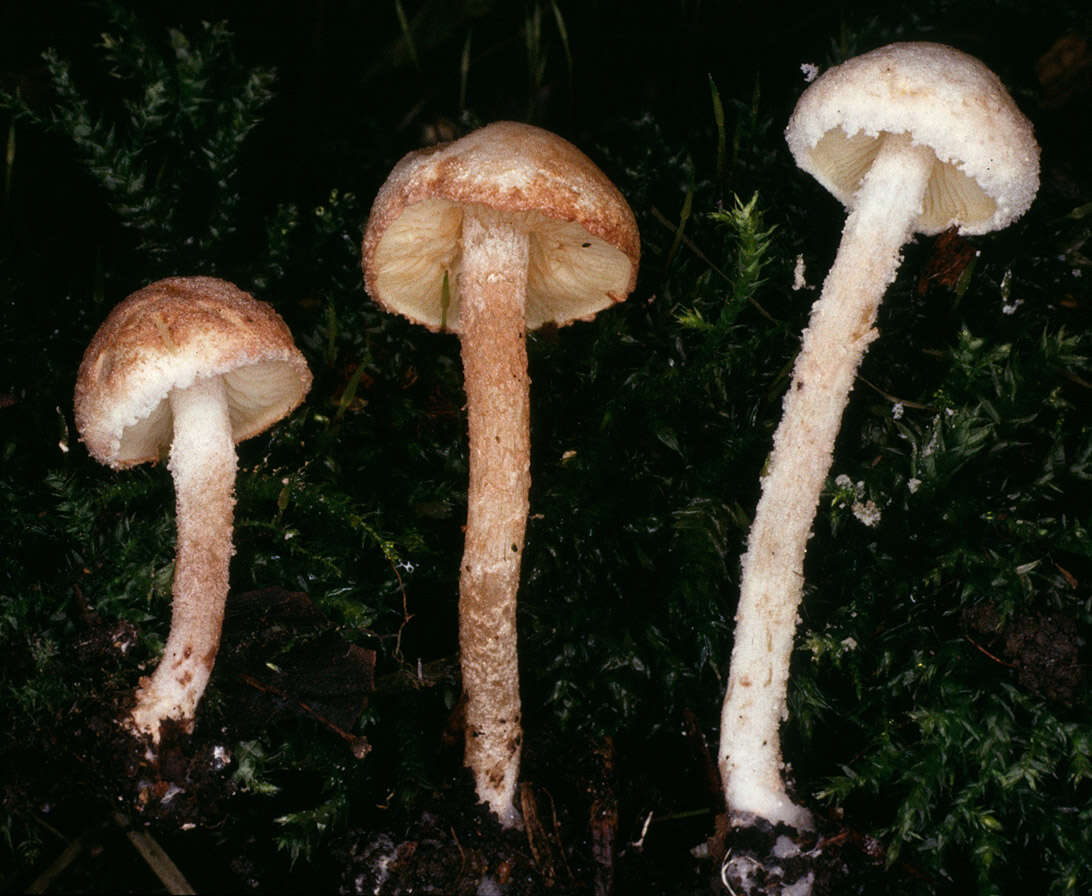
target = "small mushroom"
x: 912, y: 137
x: 508, y: 228
x: 193, y: 365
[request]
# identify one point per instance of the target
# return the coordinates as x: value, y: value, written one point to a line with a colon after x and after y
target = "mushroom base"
x: 203, y: 464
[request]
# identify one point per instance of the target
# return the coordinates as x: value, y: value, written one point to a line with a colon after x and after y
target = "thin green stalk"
x: 464, y: 72
x: 718, y: 118
x: 684, y: 216
x: 9, y: 162
x: 564, y: 33
x: 407, y: 34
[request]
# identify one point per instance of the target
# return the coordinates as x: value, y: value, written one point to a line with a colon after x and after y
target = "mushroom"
x: 193, y: 365
x: 912, y: 137
x: 508, y: 228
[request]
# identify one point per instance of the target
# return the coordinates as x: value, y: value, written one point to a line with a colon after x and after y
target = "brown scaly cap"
x: 164, y: 337
x: 584, y: 242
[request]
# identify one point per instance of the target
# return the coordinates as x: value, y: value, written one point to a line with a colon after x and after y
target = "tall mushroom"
x: 193, y: 365
x: 508, y: 228
x: 912, y: 137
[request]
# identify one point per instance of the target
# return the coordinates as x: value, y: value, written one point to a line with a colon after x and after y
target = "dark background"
x: 632, y: 559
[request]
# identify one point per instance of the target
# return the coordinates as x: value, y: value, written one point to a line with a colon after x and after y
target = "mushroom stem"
x: 493, y: 290
x: 841, y: 328
x: 203, y: 464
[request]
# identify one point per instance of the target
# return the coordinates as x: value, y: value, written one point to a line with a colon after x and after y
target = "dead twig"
x: 894, y: 399
x: 358, y: 743
x: 166, y: 870
x: 68, y: 855
x: 462, y: 854
x: 979, y: 647
x: 537, y: 840
x: 603, y: 820
x: 1080, y: 381
x: 557, y: 836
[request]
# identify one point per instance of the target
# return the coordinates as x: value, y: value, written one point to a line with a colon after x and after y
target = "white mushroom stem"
x: 888, y: 203
x: 202, y: 462
x: 493, y: 290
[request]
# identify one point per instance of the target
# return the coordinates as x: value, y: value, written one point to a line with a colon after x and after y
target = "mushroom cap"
x: 989, y: 161
x: 167, y: 335
x: 584, y: 242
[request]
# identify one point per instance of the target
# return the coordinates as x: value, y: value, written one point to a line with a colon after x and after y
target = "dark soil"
x: 599, y: 819
x: 1043, y: 648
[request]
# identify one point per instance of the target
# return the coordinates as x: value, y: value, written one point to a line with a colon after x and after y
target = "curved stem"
x: 202, y: 462
x: 840, y: 330
x: 492, y: 287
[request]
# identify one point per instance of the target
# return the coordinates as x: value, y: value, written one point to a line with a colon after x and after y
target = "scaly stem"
x: 202, y: 462
x: 493, y: 288
x: 841, y: 328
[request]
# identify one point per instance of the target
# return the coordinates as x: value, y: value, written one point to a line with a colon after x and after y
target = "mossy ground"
x: 939, y: 717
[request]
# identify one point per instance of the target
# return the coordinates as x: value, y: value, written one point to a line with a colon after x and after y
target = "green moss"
x: 924, y: 705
